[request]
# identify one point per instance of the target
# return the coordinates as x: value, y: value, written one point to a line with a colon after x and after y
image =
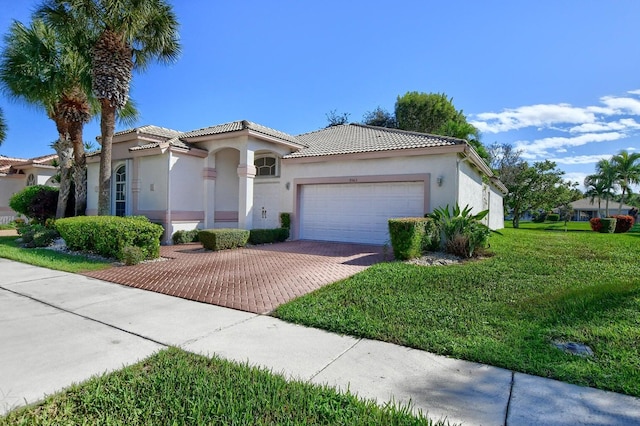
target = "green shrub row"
x: 553, y: 217
x: 412, y: 236
x: 224, y: 238
x: 185, y: 237
x: 109, y: 235
x: 267, y: 236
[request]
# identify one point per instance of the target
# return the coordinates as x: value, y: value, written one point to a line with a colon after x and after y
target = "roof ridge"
x: 410, y: 132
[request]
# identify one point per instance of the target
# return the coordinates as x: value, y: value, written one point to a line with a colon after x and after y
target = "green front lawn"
x: 9, y: 249
x: 505, y: 310
x: 176, y: 387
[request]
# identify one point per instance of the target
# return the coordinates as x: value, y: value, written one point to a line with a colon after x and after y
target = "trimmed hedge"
x: 553, y: 217
x: 595, y: 224
x: 185, y: 237
x: 220, y: 239
x: 109, y: 235
x: 267, y: 236
x: 411, y: 236
x: 623, y: 223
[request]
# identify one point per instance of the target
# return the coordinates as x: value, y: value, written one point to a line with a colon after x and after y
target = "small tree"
x: 380, y: 118
x: 3, y: 128
x: 335, y: 119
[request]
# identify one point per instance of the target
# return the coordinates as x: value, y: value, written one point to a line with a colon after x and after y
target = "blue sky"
x: 558, y: 79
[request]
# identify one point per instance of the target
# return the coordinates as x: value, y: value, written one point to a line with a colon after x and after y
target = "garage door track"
x: 255, y: 279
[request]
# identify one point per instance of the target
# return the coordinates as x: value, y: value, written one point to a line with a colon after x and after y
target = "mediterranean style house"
x: 17, y: 173
x: 341, y: 183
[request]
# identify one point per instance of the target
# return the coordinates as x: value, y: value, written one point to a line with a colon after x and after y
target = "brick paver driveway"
x: 255, y: 279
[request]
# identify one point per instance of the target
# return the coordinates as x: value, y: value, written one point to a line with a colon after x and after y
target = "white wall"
x: 93, y: 171
x: 187, y: 184
x: 152, y: 174
x: 496, y: 215
x: 8, y: 187
x: 227, y: 180
x: 470, y: 188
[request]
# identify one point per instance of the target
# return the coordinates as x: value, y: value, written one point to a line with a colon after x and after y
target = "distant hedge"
x: 266, y: 236
x: 224, y: 238
x: 109, y: 235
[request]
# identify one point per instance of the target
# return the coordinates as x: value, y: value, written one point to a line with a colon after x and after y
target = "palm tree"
x: 606, y: 172
x: 124, y: 35
x: 627, y: 167
x: 37, y: 67
x: 597, y: 188
x: 3, y: 128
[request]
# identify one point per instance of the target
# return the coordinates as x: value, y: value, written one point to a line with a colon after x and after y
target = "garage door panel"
x: 357, y: 212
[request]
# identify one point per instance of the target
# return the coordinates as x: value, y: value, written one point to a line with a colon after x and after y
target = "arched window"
x: 120, y: 191
x: 266, y: 165
x: 31, y: 179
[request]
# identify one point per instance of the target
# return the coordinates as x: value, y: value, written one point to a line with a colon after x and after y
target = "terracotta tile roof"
x: 354, y: 138
x: 236, y: 126
x: 8, y: 163
x: 172, y: 142
x: 152, y: 131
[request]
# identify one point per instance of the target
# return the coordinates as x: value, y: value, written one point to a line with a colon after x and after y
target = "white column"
x: 209, y: 173
x: 246, y: 173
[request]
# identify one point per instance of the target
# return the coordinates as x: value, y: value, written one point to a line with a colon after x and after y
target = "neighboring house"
x: 586, y: 209
x: 17, y: 173
x: 341, y: 183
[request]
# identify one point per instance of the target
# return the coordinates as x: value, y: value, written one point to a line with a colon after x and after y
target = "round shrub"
x: 553, y: 217
x: 185, y: 237
x: 595, y: 223
x: 37, y: 202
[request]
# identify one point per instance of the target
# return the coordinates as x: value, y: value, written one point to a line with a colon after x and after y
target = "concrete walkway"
x: 58, y: 328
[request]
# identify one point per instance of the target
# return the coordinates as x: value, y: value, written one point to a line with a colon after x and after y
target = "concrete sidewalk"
x: 58, y: 328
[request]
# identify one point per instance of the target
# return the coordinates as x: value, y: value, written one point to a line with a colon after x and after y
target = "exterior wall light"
x: 439, y: 180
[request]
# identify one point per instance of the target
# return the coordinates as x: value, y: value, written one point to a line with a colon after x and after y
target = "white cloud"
x: 581, y: 159
x: 542, y: 115
x: 539, y: 148
x: 591, y: 118
x: 620, y: 125
x: 622, y: 105
x: 576, y: 177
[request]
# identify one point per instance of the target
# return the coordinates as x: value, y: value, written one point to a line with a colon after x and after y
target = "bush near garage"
x: 108, y: 236
x: 285, y: 220
x: 185, y: 237
x: 223, y: 238
x: 412, y: 236
x: 37, y: 202
x: 268, y: 236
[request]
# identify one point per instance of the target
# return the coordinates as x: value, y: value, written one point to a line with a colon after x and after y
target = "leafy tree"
x: 627, y: 170
x: 335, y: 119
x: 36, y: 66
x: 380, y: 117
x: 435, y: 113
x: 533, y: 187
x: 3, y: 128
x: 124, y: 35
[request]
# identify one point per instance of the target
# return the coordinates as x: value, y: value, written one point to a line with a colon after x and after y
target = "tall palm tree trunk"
x: 64, y: 149
x: 79, y: 168
x: 107, y: 128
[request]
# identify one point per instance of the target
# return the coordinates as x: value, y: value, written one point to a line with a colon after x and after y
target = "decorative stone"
x: 574, y: 348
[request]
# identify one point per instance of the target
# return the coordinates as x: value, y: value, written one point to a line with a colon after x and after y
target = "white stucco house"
x: 17, y: 173
x: 339, y: 184
x: 585, y: 208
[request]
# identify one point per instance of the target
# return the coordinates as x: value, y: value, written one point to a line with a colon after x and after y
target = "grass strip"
x: 542, y: 285
x: 180, y: 388
x: 51, y: 259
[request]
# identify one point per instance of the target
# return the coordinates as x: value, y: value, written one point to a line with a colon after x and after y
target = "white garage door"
x: 357, y: 212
